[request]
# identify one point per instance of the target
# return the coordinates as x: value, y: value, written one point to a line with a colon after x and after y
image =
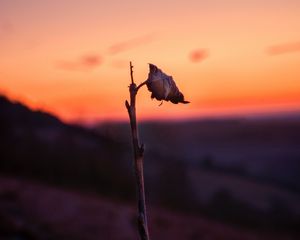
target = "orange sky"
x: 71, y: 57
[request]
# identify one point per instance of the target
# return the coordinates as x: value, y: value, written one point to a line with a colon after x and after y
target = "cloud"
x: 284, y: 48
x: 84, y: 63
x: 91, y: 60
x: 198, y: 55
x: 129, y: 44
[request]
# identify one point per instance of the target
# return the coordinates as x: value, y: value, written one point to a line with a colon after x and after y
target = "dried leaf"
x: 163, y: 87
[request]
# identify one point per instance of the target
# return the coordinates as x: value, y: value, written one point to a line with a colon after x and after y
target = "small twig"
x: 142, y: 84
x: 138, y: 158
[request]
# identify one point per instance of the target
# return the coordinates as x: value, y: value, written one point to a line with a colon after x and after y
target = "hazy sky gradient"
x: 71, y: 57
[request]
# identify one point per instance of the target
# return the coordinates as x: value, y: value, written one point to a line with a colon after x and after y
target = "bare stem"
x: 138, y: 151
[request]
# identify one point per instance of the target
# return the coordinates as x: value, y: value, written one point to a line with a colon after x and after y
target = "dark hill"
x: 37, y: 145
x: 16, y: 113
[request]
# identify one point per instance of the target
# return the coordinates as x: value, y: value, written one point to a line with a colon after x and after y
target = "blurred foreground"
x: 34, y: 211
x: 220, y: 179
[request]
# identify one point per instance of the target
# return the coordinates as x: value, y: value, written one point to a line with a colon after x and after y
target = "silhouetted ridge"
x: 17, y: 112
x: 37, y: 145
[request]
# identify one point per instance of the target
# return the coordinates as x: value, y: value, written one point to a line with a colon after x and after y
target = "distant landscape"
x: 242, y: 173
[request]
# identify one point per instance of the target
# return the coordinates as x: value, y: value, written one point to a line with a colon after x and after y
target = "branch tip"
x: 131, y: 72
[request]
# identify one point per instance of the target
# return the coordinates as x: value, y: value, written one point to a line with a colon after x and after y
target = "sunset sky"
x: 71, y: 58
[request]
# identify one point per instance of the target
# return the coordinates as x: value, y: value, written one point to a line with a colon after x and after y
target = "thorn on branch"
x: 142, y: 149
x: 127, y: 105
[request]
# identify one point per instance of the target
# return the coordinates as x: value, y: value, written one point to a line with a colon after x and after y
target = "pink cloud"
x: 284, y: 48
x: 84, y: 63
x: 198, y: 55
x: 129, y: 44
x: 91, y: 60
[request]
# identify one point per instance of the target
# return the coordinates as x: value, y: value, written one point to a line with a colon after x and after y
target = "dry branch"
x: 138, y: 151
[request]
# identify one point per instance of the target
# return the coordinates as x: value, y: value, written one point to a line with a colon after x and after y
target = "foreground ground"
x: 34, y: 211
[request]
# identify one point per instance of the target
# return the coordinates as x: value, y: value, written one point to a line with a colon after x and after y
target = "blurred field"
x: 33, y: 211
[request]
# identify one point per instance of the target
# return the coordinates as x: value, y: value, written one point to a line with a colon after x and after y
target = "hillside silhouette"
x: 38, y: 145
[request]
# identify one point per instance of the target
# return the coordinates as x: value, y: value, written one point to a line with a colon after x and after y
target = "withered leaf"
x: 162, y: 86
